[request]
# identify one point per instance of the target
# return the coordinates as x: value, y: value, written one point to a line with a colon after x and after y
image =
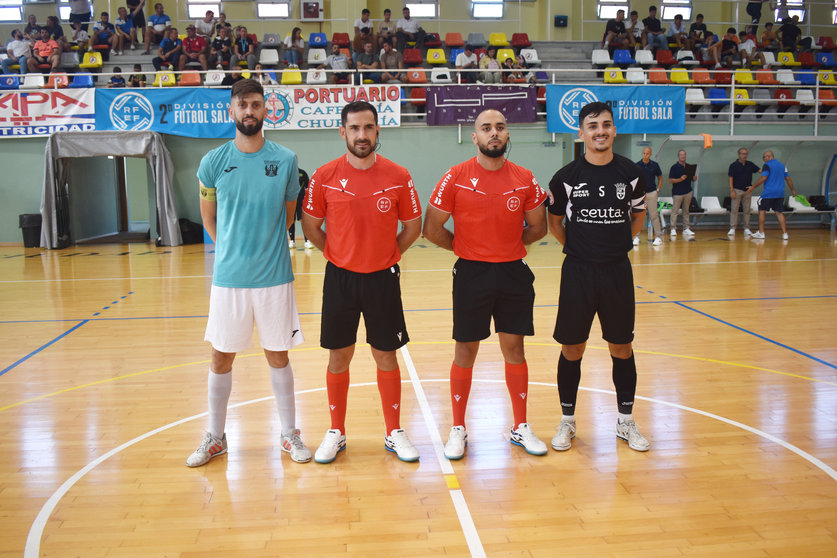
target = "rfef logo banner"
x: 649, y: 109
x: 43, y: 112
x: 183, y: 111
x: 316, y: 108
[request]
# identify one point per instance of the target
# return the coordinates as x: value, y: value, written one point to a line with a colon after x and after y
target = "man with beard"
x: 248, y: 189
x: 492, y: 200
x: 362, y: 196
x: 599, y: 204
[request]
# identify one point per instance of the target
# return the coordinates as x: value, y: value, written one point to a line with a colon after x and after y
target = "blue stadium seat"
x: 81, y: 80
x: 718, y: 96
x: 807, y: 77
x: 622, y: 57
x: 317, y: 40
x: 826, y: 59
x: 9, y: 81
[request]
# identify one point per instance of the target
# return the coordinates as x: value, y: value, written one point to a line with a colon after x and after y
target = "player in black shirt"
x: 599, y: 205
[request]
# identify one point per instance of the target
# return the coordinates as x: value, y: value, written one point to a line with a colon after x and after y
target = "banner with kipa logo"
x: 43, y: 112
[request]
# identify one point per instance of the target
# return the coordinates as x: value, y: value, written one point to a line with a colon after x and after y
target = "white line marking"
x: 472, y: 537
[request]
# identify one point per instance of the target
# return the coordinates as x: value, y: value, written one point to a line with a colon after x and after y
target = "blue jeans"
x: 292, y: 56
x: 658, y: 41
x: 7, y: 63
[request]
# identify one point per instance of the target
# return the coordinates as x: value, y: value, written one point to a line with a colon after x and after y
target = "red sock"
x: 517, y: 380
x: 389, y: 386
x: 460, y: 387
x: 338, y: 393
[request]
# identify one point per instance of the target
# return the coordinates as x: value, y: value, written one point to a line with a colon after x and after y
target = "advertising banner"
x: 646, y: 109
x: 316, y: 108
x: 41, y: 112
x: 456, y: 105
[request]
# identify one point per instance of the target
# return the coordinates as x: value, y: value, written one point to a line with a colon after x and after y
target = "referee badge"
x: 620, y: 190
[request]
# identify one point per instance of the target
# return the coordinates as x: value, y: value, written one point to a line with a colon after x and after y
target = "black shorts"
x: 83, y: 18
x: 587, y: 289
x: 139, y: 18
x: 377, y: 295
x: 776, y: 204
x: 482, y: 290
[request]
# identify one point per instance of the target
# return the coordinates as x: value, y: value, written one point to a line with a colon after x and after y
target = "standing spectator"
x: 789, y: 35
x: 19, y: 51
x: 194, y: 49
x: 740, y: 175
x: 116, y: 80
x: 205, y: 27
x: 754, y: 10
x: 32, y: 31
x: 599, y: 205
x: 125, y: 31
x: 80, y: 10
x: 44, y: 51
x: 244, y: 48
x: 80, y: 36
x: 681, y: 190
x: 136, y: 10
x: 56, y: 33
x: 769, y: 41
x: 409, y: 29
x: 748, y: 51
x: 386, y: 29
x: 104, y: 33
x: 774, y: 175
x: 221, y: 50
x: 171, y: 48
x: 654, y: 31
x: 491, y: 67
x: 391, y: 63
x: 294, y: 48
x: 615, y: 34
x: 490, y: 278
x: 467, y: 60
x: 363, y: 246
x: 337, y: 61
x: 222, y: 22
x: 677, y: 33
x: 636, y: 31
x: 248, y: 190
x: 137, y: 79
x: 157, y: 28
x: 368, y: 61
x: 653, y: 185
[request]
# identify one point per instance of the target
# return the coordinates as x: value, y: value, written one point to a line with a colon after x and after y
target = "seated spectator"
x: 409, y: 29
x: 104, y: 33
x: 725, y: 51
x: 364, y: 25
x: 699, y: 36
x: 294, y: 48
x: 391, y: 62
x: 44, y: 51
x: 362, y: 36
x: 769, y: 41
x: 636, y: 31
x: 137, y: 79
x: 221, y: 50
x: 677, y: 33
x: 171, y: 48
x: 19, y: 50
x: 615, y: 34
x: 126, y: 34
x: 194, y: 49
x: 233, y: 76
x: 369, y: 61
x: 748, y: 51
x: 263, y: 77
x: 157, y: 29
x: 655, y: 33
x: 524, y: 66
x: 337, y: 61
x: 244, y: 48
x: 386, y: 29
x: 32, y: 31
x: 222, y: 22
x: 80, y: 36
x: 116, y: 80
x: 467, y: 60
x: 512, y: 73
x: 491, y: 67
x: 56, y: 33
x: 205, y: 27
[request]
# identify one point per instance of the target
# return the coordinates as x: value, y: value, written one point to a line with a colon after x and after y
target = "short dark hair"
x: 356, y: 106
x: 731, y: 30
x: 245, y: 87
x: 769, y: 24
x: 365, y: 11
x: 105, y: 14
x: 652, y: 8
x: 634, y: 12
x: 593, y: 109
x: 387, y: 11
x: 698, y: 16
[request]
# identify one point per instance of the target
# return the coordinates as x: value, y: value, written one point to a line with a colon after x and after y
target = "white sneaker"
x: 731, y: 232
x: 784, y: 236
x: 133, y: 46
x: 758, y: 235
x: 293, y: 444
x: 636, y: 241
x: 113, y: 52
x: 121, y: 52
x: 562, y: 441
x: 673, y: 232
x: 220, y: 67
x: 525, y: 438
x: 748, y: 232
x: 629, y: 432
x: 398, y: 443
x: 657, y: 241
x: 309, y: 245
x: 209, y: 448
x: 457, y: 442
x: 333, y: 443
x: 688, y: 232
x: 291, y: 244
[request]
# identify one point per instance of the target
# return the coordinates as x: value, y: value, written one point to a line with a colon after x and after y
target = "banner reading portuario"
x: 41, y: 113
x: 317, y: 108
x: 649, y: 109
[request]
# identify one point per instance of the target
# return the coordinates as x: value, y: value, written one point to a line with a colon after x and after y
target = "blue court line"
x: 762, y: 337
x: 44, y: 346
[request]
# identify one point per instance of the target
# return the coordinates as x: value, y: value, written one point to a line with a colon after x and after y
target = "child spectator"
x: 80, y: 36
x: 748, y: 50
x: 768, y: 38
x: 117, y: 80
x: 137, y: 79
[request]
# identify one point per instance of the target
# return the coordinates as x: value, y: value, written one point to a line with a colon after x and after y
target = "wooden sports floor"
x: 103, y: 393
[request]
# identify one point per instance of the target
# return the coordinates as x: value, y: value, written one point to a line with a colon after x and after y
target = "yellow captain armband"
x: 208, y: 194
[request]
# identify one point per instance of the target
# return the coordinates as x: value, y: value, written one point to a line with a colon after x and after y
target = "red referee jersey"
x: 362, y: 209
x: 487, y: 209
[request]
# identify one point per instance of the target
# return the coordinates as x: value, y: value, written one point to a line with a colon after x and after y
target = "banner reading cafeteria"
x: 647, y: 109
x: 43, y: 112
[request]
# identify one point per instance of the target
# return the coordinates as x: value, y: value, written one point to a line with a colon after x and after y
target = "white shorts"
x: 232, y: 313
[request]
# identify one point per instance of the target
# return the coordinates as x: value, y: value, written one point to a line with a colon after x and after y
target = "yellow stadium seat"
x: 826, y: 77
x: 681, y: 76
x: 291, y: 77
x: 164, y: 78
x: 614, y: 75
x: 787, y: 59
x: 504, y: 53
x: 91, y: 61
x: 436, y: 56
x: 745, y: 77
x: 742, y: 98
x: 498, y: 40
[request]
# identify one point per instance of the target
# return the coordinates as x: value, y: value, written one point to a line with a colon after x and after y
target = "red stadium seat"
x: 432, y: 40
x: 520, y: 40
x: 412, y: 57
x: 665, y: 58
x: 341, y: 39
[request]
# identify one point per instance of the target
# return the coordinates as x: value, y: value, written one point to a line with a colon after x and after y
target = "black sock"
x: 624, y: 380
x: 569, y: 376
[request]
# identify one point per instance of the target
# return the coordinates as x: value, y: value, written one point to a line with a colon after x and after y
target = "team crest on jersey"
x: 513, y: 203
x: 384, y: 205
x: 620, y: 190
x: 271, y: 168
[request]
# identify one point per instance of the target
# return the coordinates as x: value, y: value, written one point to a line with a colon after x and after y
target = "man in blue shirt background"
x: 773, y: 175
x: 740, y: 174
x: 653, y: 183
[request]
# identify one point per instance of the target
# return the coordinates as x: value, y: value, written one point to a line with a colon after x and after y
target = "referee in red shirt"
x: 363, y: 196
x: 491, y: 200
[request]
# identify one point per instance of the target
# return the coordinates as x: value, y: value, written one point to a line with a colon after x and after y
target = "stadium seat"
x: 530, y: 55
x: 807, y: 77
x: 542, y: 97
x: 680, y: 76
x: 317, y: 40
x: 805, y: 97
x: 785, y: 97
x: 291, y: 76
x: 271, y: 40
x: 614, y: 75
x: 454, y: 40
x: 808, y: 60
x: 826, y: 59
x: 432, y: 40
x: 91, y: 61
x: 686, y: 57
x: 742, y: 97
x: 787, y: 59
x: 498, y: 40
x: 440, y: 75
x: 454, y: 52
x: 251, y: 36
x: 480, y: 52
x: 213, y: 78
x: 476, y: 40
x: 504, y: 53
x: 601, y: 57
x: 786, y: 77
x: 644, y: 57
x: 82, y: 80
x: 33, y: 81
x: 622, y: 57
x: 826, y: 43
x: 269, y: 57
x: 412, y: 56
x: 190, y: 78
x: 826, y: 77
x: 717, y: 97
x: 722, y: 77
x: 315, y: 77
x: 316, y: 56
x: 69, y: 61
x: 762, y: 98
x: 635, y: 75
x: 765, y: 77
x: 418, y: 97
x: 658, y: 76
x: 10, y: 81
x: 57, y: 80
x: 341, y: 39
x: 416, y: 75
x: 164, y: 78
x: 701, y: 77
x: 695, y: 96
x: 520, y: 40
x: 745, y: 77
x: 436, y: 56
x: 827, y: 99
x: 769, y: 59
x: 665, y: 58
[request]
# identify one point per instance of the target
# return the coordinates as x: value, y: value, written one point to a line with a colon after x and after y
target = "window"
x: 672, y: 8
x: 422, y: 8
x: 273, y: 9
x: 794, y: 7
x: 487, y: 9
x: 197, y: 10
x: 11, y: 11
x: 607, y: 9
